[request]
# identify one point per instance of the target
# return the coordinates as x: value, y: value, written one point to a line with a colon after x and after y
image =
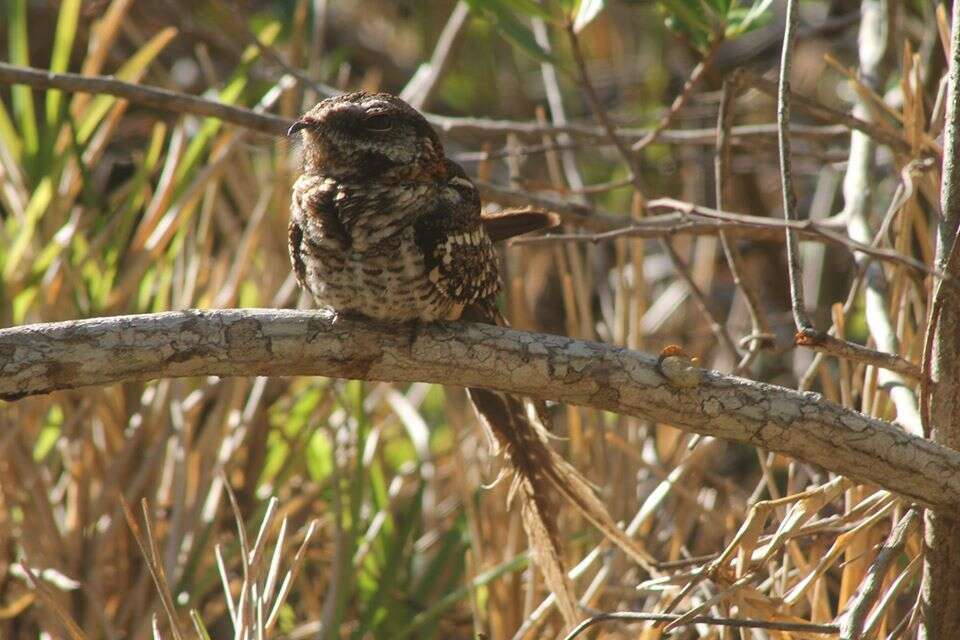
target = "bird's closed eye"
x: 378, y: 122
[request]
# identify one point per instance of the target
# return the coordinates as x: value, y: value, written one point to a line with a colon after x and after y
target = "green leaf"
x: 198, y: 625
x: 690, y: 18
x: 586, y: 12
x: 391, y: 580
x: 22, y: 303
x: 527, y: 7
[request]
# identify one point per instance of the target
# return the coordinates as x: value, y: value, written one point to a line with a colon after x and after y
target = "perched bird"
x: 384, y: 226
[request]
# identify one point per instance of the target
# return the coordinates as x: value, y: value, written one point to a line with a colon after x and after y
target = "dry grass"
x: 219, y: 507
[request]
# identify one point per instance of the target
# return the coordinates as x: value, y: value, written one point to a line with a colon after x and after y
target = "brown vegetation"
x: 800, y: 234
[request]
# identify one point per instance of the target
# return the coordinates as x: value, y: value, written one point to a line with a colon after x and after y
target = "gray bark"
x: 940, y: 589
x: 41, y: 358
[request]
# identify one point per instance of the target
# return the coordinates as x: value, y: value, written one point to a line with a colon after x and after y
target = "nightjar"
x: 383, y: 225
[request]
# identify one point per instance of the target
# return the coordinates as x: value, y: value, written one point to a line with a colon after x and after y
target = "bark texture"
x: 940, y: 590
x: 41, y: 358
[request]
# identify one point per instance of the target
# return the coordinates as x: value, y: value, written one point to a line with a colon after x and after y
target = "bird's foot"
x: 414, y: 328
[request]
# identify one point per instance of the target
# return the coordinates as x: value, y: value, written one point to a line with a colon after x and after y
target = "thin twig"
x: 242, y: 31
x: 940, y: 587
x: 178, y: 102
x: 633, y: 163
x: 153, y: 564
x: 758, y: 320
x: 153, y: 97
x: 700, y: 299
x: 681, y: 223
x: 600, y: 113
x: 50, y: 600
x: 707, y: 137
x: 800, y: 317
x: 825, y: 343
x: 638, y: 616
x: 678, y: 103
x: 692, y: 218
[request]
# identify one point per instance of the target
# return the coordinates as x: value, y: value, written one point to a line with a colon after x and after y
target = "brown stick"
x: 678, y: 103
x: 153, y: 97
x: 825, y: 343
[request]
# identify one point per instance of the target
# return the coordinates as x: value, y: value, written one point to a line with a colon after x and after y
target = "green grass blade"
x: 60, y: 58
x: 422, y: 619
x: 22, y: 95
x: 131, y: 71
x: 38, y: 204
x: 9, y: 136
x: 228, y: 95
x: 391, y: 574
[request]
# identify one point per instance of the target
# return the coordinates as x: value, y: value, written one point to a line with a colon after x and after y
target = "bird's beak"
x: 297, y: 126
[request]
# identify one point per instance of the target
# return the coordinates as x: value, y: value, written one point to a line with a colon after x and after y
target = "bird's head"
x: 369, y: 136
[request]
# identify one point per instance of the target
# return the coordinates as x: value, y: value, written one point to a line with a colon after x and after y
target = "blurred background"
x: 387, y: 515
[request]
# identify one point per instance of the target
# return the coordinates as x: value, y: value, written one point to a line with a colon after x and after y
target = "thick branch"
x: 245, y: 342
x: 940, y: 589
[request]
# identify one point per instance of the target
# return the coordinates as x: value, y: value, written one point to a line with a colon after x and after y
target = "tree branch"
x: 940, y: 588
x: 41, y: 358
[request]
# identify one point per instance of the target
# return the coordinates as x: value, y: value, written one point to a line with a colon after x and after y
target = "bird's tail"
x: 516, y: 222
x: 540, y: 474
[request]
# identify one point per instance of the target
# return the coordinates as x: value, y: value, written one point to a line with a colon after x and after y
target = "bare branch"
x: 248, y: 342
x: 686, y: 217
x: 177, y: 102
x: 153, y: 97
x: 940, y: 588
x: 736, y: 623
x: 678, y: 103
x: 722, y: 183
x: 800, y: 316
x: 823, y: 342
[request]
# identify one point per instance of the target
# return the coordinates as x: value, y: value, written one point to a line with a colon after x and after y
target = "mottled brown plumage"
x: 383, y: 225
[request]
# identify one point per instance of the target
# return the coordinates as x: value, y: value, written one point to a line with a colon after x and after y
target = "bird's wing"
x: 458, y: 254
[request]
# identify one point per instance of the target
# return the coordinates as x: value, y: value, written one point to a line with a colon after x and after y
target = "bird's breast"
x: 359, y: 251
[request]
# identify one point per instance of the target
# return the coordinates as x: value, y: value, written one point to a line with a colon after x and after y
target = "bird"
x: 384, y: 226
